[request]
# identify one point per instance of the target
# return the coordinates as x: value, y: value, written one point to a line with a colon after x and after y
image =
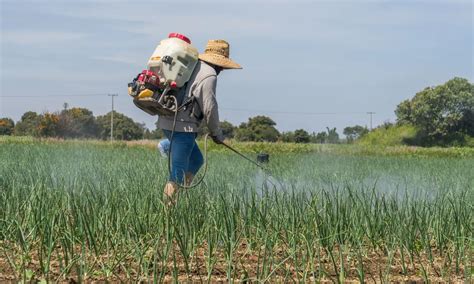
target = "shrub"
x: 391, y: 136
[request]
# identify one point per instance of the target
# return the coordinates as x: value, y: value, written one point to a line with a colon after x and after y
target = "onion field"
x: 73, y: 212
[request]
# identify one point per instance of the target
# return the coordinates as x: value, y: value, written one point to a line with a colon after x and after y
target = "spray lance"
x: 262, y: 158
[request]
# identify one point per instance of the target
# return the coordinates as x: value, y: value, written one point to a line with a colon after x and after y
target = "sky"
x: 306, y: 64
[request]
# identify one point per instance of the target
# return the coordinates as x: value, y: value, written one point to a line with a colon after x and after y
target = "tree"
x: 301, y: 136
x: 244, y: 133
x: 7, y: 126
x: 321, y: 137
x: 48, y: 125
x: 443, y: 114
x: 332, y: 137
x: 28, y: 124
x: 404, y: 112
x: 155, y: 134
x: 258, y: 128
x: 124, y: 127
x: 227, y: 129
x: 77, y: 123
x: 287, y: 136
x: 354, y: 132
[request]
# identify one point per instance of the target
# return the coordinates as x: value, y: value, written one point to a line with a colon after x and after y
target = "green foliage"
x: 124, y: 127
x: 93, y: 211
x: 404, y: 112
x: 155, y: 134
x: 80, y: 123
x: 357, y: 149
x: 298, y: 136
x: 354, y: 132
x: 259, y: 128
x: 333, y: 136
x: 321, y: 137
x: 302, y: 136
x: 28, y: 125
x: 287, y: 137
x: 227, y: 129
x: 443, y: 115
x: 469, y: 141
x: 7, y: 126
x: 261, y: 120
x: 48, y: 125
x: 390, y: 136
x: 77, y: 123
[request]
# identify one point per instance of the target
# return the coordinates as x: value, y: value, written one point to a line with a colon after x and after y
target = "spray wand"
x: 243, y: 156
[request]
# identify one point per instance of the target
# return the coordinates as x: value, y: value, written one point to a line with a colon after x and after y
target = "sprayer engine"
x: 151, y: 95
x: 169, y: 68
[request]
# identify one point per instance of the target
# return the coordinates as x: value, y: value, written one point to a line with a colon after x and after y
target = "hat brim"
x: 220, y: 61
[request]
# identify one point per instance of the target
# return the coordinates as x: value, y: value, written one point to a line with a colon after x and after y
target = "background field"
x: 93, y: 210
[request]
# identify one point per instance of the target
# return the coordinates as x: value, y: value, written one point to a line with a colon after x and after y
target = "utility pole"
x: 370, y: 113
x: 112, y: 118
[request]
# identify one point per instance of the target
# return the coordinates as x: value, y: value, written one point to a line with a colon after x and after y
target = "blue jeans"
x: 185, y: 155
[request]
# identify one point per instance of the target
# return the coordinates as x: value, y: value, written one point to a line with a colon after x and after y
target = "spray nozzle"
x: 263, y: 158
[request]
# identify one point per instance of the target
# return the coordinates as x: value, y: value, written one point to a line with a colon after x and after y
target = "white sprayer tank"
x: 174, y: 60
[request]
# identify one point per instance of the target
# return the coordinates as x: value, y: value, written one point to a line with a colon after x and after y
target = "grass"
x: 272, y: 148
x: 92, y: 211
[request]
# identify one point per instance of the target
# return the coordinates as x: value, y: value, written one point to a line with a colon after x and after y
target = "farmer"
x: 186, y: 158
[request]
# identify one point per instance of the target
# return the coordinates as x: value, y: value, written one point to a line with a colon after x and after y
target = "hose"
x: 176, y: 110
x: 171, y: 147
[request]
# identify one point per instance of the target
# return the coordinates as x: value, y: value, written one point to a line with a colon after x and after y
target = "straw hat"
x: 217, y: 53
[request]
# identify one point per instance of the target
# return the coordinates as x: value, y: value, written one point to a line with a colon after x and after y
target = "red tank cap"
x: 173, y: 84
x: 180, y: 36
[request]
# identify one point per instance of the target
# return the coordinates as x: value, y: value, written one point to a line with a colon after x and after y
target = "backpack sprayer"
x: 169, y: 68
x: 155, y: 90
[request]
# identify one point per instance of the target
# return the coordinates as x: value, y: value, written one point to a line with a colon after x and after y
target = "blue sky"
x: 307, y: 64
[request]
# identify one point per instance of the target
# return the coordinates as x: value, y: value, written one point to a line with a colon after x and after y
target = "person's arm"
x: 210, y: 107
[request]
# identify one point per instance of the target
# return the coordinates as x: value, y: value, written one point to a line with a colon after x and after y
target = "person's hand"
x: 218, y: 139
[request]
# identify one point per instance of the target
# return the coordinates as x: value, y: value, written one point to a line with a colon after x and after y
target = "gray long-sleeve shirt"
x: 201, y: 85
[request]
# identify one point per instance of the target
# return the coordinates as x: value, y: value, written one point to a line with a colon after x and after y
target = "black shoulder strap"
x: 181, y: 94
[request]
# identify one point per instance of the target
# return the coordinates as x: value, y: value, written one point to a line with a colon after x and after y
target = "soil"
x: 378, y: 266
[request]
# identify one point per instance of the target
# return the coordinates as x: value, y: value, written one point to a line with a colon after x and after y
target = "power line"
x: 290, y: 112
x: 223, y: 108
x: 45, y: 96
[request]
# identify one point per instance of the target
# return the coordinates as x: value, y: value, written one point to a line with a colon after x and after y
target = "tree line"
x: 76, y: 122
x: 262, y: 128
x: 436, y: 116
x: 80, y: 123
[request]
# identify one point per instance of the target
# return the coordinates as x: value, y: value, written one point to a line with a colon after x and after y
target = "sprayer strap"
x: 186, y: 103
x: 191, y: 99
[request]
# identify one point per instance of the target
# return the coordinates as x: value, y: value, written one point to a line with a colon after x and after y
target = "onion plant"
x: 88, y: 211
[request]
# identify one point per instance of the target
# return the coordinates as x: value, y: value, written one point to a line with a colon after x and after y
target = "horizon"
x: 326, y: 65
